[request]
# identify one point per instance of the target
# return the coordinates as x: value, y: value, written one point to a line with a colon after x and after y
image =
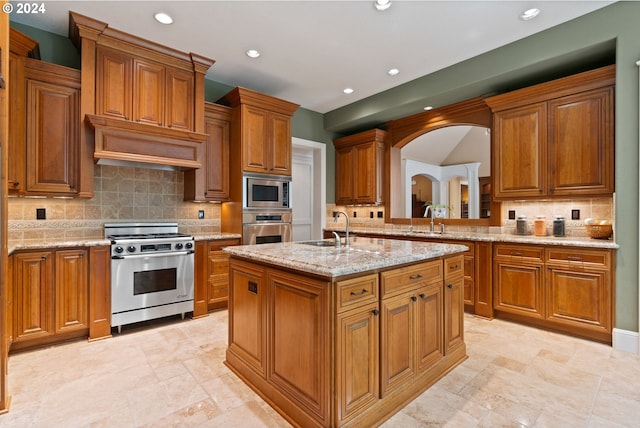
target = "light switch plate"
x: 201, y: 214
x: 575, y: 214
x: 41, y: 213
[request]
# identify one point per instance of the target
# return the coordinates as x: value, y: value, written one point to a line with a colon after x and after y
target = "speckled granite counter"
x: 585, y: 242
x: 37, y: 243
x: 363, y: 255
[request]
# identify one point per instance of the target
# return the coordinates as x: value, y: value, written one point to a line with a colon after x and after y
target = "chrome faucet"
x: 426, y: 213
x: 346, y: 216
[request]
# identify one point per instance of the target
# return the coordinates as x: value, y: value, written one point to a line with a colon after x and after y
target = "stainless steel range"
x: 151, y: 271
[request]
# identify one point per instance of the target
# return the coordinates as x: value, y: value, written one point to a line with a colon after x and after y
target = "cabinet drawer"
x: 397, y: 281
x: 578, y: 257
x: 353, y: 292
x: 520, y: 252
x: 454, y: 266
x: 220, y: 266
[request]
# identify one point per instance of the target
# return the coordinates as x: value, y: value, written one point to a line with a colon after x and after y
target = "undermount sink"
x: 319, y: 243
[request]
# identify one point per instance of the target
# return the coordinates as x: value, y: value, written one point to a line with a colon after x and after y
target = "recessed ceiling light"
x: 163, y: 18
x: 393, y: 72
x: 348, y: 91
x: 428, y: 108
x: 529, y: 14
x: 382, y: 4
x: 252, y: 53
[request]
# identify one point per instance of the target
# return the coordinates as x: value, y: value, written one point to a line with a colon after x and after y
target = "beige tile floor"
x: 172, y: 375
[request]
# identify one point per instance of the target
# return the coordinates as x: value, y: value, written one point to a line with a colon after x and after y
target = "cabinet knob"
x: 43, y: 258
x: 450, y: 286
x: 159, y: 123
x: 414, y: 298
x: 375, y: 312
x: 126, y: 118
x: 423, y: 296
x: 16, y: 184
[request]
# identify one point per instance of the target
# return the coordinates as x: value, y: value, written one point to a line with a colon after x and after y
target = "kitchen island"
x: 346, y: 336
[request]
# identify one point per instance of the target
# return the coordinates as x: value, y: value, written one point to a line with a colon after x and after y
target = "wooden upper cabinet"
x: 261, y: 132
x: 211, y: 182
x: 360, y: 168
x: 114, y: 83
x: 519, y: 149
x: 52, y: 129
x: 142, y: 90
x: 555, y: 139
x: 580, y: 143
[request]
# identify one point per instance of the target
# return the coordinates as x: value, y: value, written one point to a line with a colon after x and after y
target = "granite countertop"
x: 363, y: 255
x: 34, y: 244
x: 574, y: 241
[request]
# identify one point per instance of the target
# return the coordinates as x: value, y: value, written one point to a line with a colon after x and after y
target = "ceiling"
x: 312, y: 50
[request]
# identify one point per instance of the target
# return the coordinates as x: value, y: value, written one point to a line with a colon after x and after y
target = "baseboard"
x: 624, y: 340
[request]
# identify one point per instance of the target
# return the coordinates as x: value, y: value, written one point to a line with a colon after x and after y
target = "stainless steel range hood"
x: 124, y: 143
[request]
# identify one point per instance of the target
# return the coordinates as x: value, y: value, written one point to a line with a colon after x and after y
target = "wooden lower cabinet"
x: 211, y: 275
x: 345, y: 352
x: 562, y: 288
x: 50, y: 297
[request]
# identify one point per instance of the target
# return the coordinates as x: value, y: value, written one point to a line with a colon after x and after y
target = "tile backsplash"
x: 120, y: 194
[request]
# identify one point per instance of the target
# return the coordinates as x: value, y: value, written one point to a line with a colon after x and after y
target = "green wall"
x: 611, y: 34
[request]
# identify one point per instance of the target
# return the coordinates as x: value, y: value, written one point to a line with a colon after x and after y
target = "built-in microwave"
x: 270, y: 192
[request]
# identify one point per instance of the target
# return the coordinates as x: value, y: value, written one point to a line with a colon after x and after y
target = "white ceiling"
x: 312, y: 50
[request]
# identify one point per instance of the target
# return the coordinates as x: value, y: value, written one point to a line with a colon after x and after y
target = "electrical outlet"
x: 355, y: 214
x: 575, y: 214
x: 200, y: 214
x: 370, y: 214
x: 512, y: 214
x: 41, y: 213
x: 380, y: 215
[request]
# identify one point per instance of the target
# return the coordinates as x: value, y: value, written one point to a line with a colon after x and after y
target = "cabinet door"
x: 357, y: 359
x: 519, y: 164
x: 345, y: 160
x: 52, y: 136
x: 397, y: 343
x: 519, y: 288
x: 298, y: 318
x: 218, y: 282
x: 148, y: 92
x: 453, y: 313
x: 71, y: 291
x: 217, y: 159
x: 179, y: 103
x: 579, y: 297
x: 429, y: 319
x: 32, y: 295
x: 255, y: 127
x: 365, y: 173
x: 580, y: 146
x: 114, y: 84
x: 279, y: 141
x: 247, y: 315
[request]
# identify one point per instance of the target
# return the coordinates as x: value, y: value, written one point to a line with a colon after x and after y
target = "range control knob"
x: 179, y: 246
x: 118, y: 249
x: 131, y: 249
x: 188, y: 245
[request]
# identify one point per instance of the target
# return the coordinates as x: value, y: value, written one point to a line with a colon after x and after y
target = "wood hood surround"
x: 116, y: 98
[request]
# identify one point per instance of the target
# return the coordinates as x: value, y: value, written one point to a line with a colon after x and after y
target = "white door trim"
x: 320, y: 182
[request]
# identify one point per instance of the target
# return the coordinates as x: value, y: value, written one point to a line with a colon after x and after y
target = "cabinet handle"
x: 517, y: 253
x: 43, y: 258
x: 359, y: 293
x: 126, y: 118
x: 138, y: 120
x: 414, y: 298
x: 417, y: 276
x: 16, y: 183
x: 169, y: 126
x: 159, y: 123
x: 375, y: 312
x: 423, y: 296
x: 574, y: 258
x: 450, y: 286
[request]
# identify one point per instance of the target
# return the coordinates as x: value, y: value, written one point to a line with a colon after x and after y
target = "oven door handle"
x: 144, y: 256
